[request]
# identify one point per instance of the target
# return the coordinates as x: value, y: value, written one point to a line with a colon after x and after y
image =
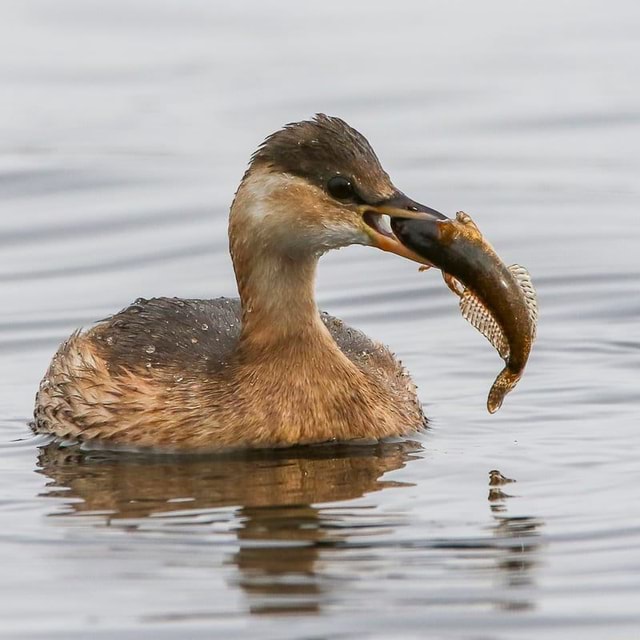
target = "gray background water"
x: 125, y: 127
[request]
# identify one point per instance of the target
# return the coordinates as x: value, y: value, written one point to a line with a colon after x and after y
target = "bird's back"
x: 198, y: 335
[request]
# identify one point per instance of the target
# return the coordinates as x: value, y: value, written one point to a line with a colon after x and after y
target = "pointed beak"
x: 380, y: 219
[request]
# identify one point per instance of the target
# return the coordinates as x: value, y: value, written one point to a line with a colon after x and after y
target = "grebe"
x: 267, y: 370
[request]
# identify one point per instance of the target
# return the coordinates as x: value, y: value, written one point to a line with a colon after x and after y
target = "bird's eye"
x: 341, y: 188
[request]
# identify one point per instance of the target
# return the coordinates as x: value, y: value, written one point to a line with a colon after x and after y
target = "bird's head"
x: 318, y: 185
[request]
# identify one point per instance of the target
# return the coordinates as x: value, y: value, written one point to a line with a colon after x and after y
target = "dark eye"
x: 341, y: 188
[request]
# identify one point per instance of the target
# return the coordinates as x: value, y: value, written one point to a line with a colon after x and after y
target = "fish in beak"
x: 381, y: 217
x: 497, y: 300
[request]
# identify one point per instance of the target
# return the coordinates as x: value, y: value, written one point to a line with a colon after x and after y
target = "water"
x: 124, y: 130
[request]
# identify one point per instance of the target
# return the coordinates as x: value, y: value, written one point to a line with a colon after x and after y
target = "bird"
x: 268, y: 369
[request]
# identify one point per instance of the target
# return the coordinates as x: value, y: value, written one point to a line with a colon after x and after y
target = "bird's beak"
x: 380, y: 218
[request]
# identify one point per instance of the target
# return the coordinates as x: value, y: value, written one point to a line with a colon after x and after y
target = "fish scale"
x: 474, y: 311
x: 477, y: 314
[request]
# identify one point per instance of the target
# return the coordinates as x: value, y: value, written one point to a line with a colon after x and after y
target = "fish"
x: 499, y: 301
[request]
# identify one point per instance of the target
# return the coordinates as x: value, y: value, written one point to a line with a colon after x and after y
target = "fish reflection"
x: 518, y: 547
x: 280, y: 534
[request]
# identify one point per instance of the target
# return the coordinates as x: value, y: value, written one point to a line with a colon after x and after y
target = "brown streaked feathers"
x: 190, y: 392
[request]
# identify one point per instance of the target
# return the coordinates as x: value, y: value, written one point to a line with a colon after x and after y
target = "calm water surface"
x: 124, y: 130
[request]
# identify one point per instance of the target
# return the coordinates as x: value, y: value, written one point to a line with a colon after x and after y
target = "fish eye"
x: 341, y: 188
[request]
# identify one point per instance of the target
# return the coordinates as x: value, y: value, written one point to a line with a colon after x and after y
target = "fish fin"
x: 504, y: 383
x: 481, y: 319
x: 524, y: 280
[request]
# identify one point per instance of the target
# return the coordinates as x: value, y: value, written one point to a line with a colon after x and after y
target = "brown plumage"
x: 269, y: 370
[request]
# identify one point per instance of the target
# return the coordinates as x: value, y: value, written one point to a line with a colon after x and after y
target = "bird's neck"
x: 278, y: 304
x: 276, y: 281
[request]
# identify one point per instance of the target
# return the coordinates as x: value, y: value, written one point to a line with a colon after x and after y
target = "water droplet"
x: 194, y: 340
x: 150, y: 348
x: 178, y: 378
x: 148, y: 365
x: 109, y: 340
x: 205, y: 326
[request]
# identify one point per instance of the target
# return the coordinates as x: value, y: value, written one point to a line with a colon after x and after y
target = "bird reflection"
x: 281, y: 508
x: 280, y: 533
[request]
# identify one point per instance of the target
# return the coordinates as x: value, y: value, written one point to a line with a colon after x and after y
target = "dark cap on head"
x: 322, y: 148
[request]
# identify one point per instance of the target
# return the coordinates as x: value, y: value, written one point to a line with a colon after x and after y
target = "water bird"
x: 267, y: 369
